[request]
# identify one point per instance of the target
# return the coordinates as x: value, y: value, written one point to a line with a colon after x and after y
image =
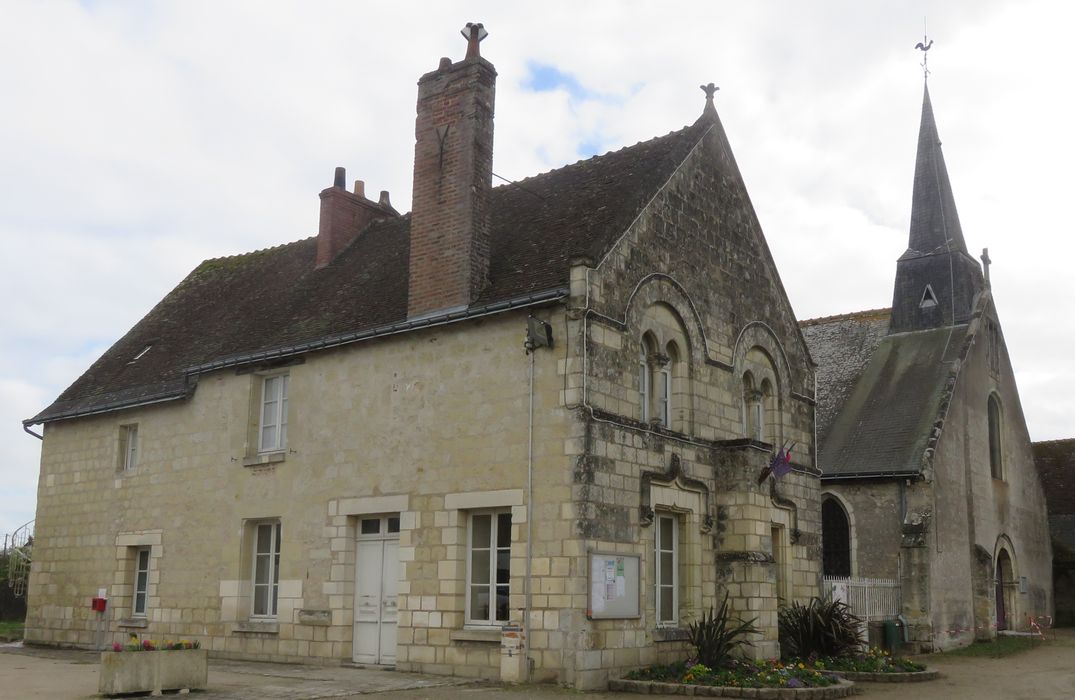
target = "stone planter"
x: 844, y: 689
x: 152, y: 671
x: 909, y: 677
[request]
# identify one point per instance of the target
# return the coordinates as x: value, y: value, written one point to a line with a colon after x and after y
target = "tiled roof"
x: 274, y: 298
x: 1055, y: 460
x: 841, y: 346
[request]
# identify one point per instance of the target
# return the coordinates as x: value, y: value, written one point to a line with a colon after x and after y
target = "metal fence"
x: 869, y: 598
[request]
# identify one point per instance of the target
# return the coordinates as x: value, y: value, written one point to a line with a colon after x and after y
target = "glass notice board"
x: 613, y: 585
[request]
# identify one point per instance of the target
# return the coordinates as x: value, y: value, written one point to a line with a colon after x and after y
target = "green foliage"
x: 819, y: 628
x: 873, y: 660
x: 997, y: 648
x: 718, y: 634
x: 739, y: 674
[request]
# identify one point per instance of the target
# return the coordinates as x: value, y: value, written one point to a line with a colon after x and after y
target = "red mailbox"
x: 99, y: 604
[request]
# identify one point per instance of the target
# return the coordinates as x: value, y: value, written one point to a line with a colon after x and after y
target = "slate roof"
x: 273, y: 301
x: 882, y: 426
x: 1055, y: 460
x: 841, y: 346
x: 934, y: 220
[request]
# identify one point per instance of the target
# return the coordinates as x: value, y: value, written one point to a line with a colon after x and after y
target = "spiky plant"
x: 718, y: 634
x: 819, y: 628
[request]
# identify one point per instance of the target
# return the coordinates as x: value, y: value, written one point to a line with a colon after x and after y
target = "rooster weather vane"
x: 924, y: 46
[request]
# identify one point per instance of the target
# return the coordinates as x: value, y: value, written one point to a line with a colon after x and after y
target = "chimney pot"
x: 383, y: 201
x: 340, y: 179
x: 445, y: 62
x: 360, y: 188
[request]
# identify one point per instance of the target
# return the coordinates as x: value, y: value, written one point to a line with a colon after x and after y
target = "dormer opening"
x: 928, y: 298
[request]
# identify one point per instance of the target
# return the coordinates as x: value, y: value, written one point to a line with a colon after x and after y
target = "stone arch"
x: 838, y: 537
x: 1005, y: 584
x: 659, y: 309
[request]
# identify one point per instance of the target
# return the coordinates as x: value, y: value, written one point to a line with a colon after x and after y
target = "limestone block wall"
x: 400, y: 425
x: 875, y: 510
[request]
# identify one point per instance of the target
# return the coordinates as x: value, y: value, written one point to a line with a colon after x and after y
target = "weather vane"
x: 924, y: 46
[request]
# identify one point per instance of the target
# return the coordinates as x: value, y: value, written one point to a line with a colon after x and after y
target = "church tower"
x: 936, y: 279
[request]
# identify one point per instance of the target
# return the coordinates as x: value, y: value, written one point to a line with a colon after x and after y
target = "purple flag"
x: 781, y: 463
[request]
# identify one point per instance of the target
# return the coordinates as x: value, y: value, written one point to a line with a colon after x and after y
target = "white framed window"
x: 273, y: 424
x: 488, y: 567
x: 664, y: 396
x: 266, y: 569
x: 666, y: 570
x: 141, y: 582
x: 128, y: 447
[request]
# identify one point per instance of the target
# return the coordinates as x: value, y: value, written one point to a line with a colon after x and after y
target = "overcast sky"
x: 139, y: 138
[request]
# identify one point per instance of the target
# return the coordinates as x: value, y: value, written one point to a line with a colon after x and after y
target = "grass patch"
x: 998, y: 648
x: 11, y: 629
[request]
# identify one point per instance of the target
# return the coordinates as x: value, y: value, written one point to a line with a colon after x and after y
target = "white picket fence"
x: 869, y: 598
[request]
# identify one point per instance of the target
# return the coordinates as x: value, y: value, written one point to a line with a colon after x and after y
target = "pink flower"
x: 147, y: 645
x: 117, y: 647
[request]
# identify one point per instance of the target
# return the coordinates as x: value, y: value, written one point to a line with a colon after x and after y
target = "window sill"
x: 670, y: 634
x: 257, y: 627
x: 140, y: 622
x: 491, y: 634
x: 264, y: 458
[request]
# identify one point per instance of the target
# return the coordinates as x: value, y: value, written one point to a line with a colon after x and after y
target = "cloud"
x: 141, y: 138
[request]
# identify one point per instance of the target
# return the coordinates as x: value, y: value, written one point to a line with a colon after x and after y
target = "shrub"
x: 819, y: 628
x: 718, y: 634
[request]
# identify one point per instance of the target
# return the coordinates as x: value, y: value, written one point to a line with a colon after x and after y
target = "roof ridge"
x: 583, y: 161
x: 1054, y: 441
x: 256, y: 250
x: 867, y: 313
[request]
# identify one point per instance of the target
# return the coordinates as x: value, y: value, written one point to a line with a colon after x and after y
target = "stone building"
x: 339, y: 450
x: 928, y: 475
x: 1055, y: 460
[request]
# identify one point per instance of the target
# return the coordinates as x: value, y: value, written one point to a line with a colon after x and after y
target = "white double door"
x: 376, y: 585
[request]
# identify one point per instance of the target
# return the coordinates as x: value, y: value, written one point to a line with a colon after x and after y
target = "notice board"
x: 613, y: 585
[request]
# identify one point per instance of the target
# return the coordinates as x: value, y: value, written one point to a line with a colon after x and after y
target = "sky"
x: 139, y: 138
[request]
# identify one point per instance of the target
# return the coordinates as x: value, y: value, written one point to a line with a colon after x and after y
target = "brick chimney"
x: 344, y: 215
x: 453, y: 166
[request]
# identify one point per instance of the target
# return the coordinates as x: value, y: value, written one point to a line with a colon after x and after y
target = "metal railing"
x: 18, y: 548
x: 871, y: 599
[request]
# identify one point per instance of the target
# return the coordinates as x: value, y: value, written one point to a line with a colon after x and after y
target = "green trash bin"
x: 892, y: 635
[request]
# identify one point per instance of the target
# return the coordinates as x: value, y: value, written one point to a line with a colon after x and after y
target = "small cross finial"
x: 474, y: 32
x: 985, y: 264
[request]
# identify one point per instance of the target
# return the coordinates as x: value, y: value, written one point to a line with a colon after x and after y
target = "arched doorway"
x: 1004, y: 583
x: 835, y: 539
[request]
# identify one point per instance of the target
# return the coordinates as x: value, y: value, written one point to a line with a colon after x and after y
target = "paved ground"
x: 1044, y: 673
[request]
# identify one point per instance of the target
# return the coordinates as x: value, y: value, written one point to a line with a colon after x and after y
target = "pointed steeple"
x: 934, y: 221
x: 936, y: 279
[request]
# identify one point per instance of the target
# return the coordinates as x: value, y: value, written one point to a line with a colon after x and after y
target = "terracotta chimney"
x: 343, y: 216
x: 453, y: 166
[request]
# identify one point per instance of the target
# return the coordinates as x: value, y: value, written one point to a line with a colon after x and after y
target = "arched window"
x: 645, y: 351
x: 753, y: 419
x: 770, y: 417
x: 835, y: 539
x: 996, y: 454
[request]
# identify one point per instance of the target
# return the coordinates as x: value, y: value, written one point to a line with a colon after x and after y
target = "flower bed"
x: 738, y: 674
x: 141, y: 667
x: 876, y: 665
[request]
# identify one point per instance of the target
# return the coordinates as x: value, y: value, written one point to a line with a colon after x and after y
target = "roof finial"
x: 474, y: 32
x: 709, y: 91
x: 985, y: 264
x: 924, y: 46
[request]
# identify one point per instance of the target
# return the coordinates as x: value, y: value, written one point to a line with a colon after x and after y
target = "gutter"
x: 913, y: 475
x: 442, y: 319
